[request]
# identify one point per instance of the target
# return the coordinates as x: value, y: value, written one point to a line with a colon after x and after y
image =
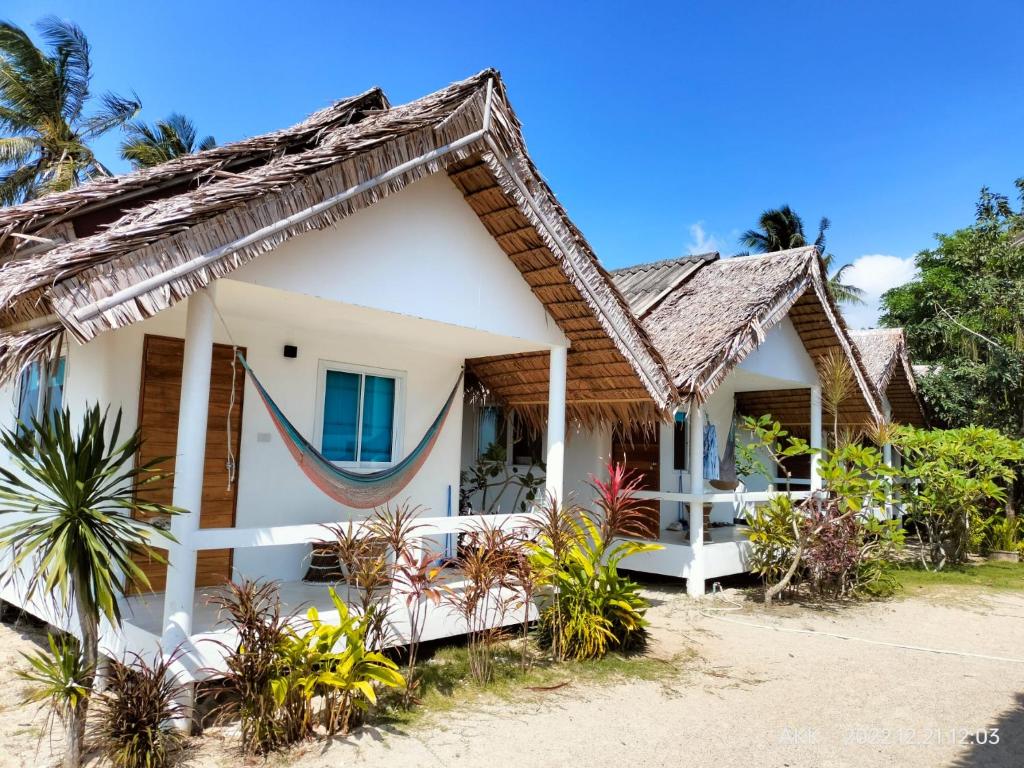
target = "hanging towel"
x: 728, y: 468
x: 710, y: 452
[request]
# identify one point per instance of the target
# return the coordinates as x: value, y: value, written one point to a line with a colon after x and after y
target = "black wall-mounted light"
x: 291, y: 351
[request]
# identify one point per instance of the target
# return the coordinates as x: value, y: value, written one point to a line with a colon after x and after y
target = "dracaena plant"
x: 588, y: 608
x: 486, y: 562
x: 72, y: 498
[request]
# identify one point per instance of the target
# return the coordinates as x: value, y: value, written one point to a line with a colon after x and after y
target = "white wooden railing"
x: 309, y: 533
x: 732, y: 497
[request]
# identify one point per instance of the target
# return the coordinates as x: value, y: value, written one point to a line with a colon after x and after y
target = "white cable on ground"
x: 706, y: 613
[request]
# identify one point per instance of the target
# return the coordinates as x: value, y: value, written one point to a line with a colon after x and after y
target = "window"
x: 679, y: 430
x: 499, y: 429
x: 40, y: 392
x: 359, y: 413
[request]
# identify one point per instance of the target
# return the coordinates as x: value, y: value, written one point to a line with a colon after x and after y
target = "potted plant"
x: 1004, y: 539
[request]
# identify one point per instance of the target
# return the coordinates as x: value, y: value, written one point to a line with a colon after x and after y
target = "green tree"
x: 45, y: 130
x: 149, y: 145
x: 964, y: 319
x: 957, y: 479
x: 782, y: 228
x: 75, y: 536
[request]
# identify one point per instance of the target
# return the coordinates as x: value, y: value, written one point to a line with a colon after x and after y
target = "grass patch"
x: 985, y: 575
x: 446, y: 683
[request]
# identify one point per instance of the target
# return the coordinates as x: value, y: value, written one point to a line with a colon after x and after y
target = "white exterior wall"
x: 423, y: 253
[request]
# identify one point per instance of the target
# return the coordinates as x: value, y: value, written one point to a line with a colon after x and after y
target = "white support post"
x: 554, y: 481
x: 188, y: 472
x: 887, y: 460
x: 695, y: 581
x: 815, y: 437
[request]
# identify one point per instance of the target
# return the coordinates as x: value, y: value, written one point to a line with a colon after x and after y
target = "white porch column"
x: 695, y: 581
x: 188, y: 475
x: 887, y: 460
x: 815, y: 436
x: 554, y: 473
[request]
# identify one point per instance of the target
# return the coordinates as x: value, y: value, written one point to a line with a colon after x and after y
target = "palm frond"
x: 114, y: 112
x: 72, y: 57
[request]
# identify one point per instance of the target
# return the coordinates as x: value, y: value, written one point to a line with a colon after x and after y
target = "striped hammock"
x: 361, y: 490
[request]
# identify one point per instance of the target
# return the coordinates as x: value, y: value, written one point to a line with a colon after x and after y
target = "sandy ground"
x: 750, y: 697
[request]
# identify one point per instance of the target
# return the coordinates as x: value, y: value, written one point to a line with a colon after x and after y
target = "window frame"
x: 398, y: 423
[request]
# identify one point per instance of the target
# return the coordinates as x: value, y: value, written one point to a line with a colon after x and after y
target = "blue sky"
x: 663, y: 128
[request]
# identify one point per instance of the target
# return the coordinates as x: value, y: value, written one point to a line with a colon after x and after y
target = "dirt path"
x: 752, y: 697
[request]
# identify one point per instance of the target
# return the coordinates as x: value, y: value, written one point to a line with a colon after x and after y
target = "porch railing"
x: 310, y: 533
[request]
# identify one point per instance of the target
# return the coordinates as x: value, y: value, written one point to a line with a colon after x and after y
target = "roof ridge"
x: 799, y: 250
x: 689, y: 258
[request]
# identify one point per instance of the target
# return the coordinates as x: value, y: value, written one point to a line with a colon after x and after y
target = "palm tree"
x: 782, y: 228
x: 149, y: 145
x: 75, y: 536
x: 44, y: 129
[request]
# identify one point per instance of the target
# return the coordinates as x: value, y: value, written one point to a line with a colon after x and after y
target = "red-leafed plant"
x: 619, y: 511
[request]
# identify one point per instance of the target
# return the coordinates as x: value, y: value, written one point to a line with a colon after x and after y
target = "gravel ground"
x: 751, y: 696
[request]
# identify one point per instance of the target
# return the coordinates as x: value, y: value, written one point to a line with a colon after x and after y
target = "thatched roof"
x: 707, y: 322
x: 643, y: 286
x: 887, y: 360
x: 206, y: 215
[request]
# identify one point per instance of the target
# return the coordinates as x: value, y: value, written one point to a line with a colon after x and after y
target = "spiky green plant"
x: 57, y: 680
x: 74, y: 540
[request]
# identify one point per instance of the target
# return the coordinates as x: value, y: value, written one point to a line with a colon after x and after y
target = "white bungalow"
x: 359, y: 261
x: 742, y: 336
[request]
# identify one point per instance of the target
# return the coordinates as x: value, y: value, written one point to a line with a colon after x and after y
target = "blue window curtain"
x: 359, y: 417
x: 28, y: 396
x: 40, y: 392
x: 55, y: 389
x: 341, y: 415
x: 378, y: 418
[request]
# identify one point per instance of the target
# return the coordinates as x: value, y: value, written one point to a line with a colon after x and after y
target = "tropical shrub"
x: 491, y: 476
x: 58, y: 679
x: 773, y: 539
x: 832, y: 540
x: 486, y: 562
x: 330, y: 664
x: 133, y: 724
x: 253, y: 610
x: 956, y: 479
x: 1004, y: 534
x: 76, y: 494
x: 588, y: 608
x: 285, y: 678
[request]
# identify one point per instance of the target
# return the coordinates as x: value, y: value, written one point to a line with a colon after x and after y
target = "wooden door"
x: 162, y: 359
x: 639, y: 451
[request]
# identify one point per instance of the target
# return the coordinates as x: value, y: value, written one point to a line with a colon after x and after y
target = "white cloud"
x: 875, y: 274
x: 701, y: 241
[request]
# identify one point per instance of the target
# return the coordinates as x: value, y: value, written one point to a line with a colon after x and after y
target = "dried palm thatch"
x: 887, y: 361
x: 716, y: 315
x: 195, y: 221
